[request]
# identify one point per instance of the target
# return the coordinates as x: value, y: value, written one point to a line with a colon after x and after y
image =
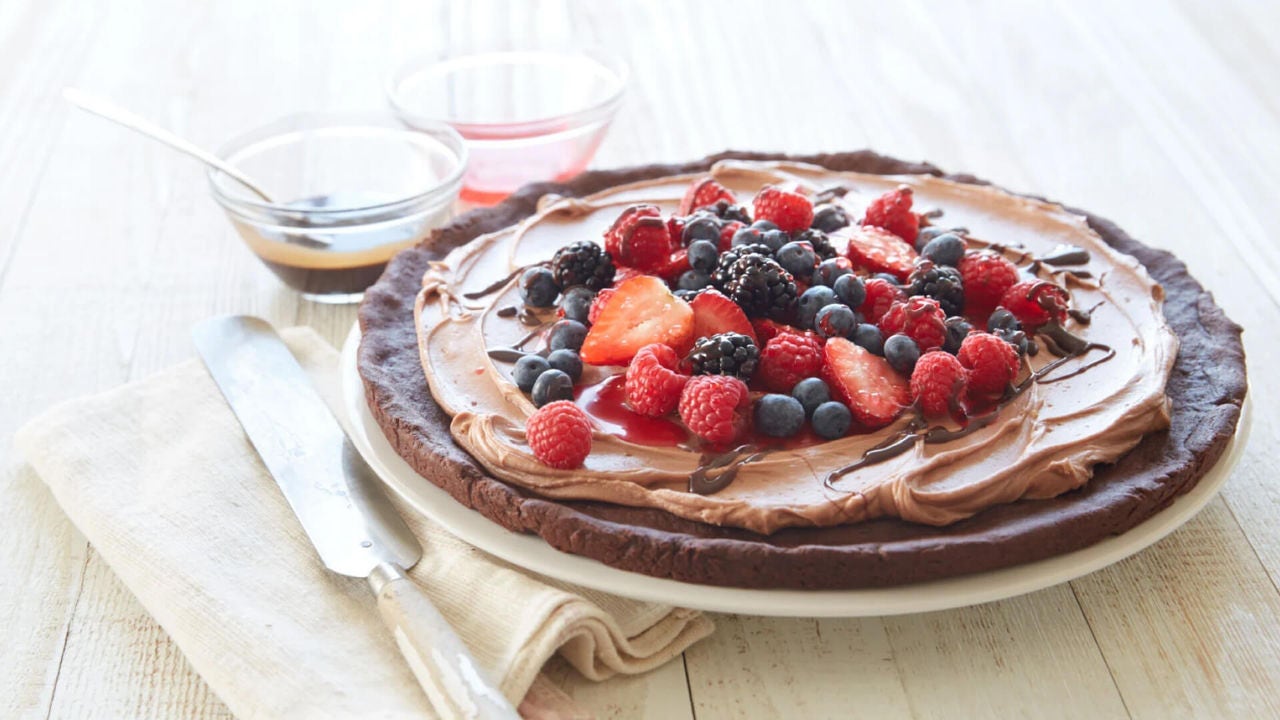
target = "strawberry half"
x: 641, y: 311
x: 639, y: 238
x: 704, y: 192
x: 874, y: 393
x: 878, y: 250
x: 714, y: 313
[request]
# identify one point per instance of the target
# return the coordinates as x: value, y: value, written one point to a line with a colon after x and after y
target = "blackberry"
x: 727, y: 211
x: 940, y: 282
x: 725, y: 354
x: 720, y: 276
x: 761, y: 287
x: 829, y: 218
x: 583, y: 263
x: 820, y: 241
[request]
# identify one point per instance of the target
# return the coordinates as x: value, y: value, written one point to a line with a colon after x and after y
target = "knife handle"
x: 456, y: 686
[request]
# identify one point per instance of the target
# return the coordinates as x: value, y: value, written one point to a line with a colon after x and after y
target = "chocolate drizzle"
x: 702, y: 482
x: 495, y: 287
x: 1066, y: 255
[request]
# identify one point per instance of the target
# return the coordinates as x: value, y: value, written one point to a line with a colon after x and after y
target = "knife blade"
x: 336, y: 498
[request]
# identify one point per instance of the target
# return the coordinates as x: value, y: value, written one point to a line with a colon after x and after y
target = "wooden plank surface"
x: 1162, y: 117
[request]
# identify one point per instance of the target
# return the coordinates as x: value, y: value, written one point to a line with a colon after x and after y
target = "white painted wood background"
x: 1162, y: 116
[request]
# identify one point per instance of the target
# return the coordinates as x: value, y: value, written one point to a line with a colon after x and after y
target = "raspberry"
x: 766, y: 329
x: 787, y: 359
x: 714, y: 407
x: 938, y: 383
x: 653, y: 385
x: 559, y: 434
x: 704, y: 192
x: 640, y: 238
x: 919, y: 318
x: 598, y: 304
x: 790, y: 211
x: 992, y: 363
x: 1036, y: 303
x: 892, y: 211
x: 985, y: 276
x: 881, y: 295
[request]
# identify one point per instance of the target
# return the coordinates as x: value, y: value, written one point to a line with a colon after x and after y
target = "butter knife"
x: 346, y: 515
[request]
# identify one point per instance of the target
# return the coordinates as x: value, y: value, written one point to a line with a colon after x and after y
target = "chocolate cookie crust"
x: 1206, y: 409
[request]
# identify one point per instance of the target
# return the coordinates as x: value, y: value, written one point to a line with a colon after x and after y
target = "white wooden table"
x: 1165, y: 118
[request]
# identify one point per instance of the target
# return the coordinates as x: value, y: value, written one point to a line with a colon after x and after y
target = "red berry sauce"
x: 606, y: 404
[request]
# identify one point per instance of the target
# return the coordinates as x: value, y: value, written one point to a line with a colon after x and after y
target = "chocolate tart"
x: 1205, y: 410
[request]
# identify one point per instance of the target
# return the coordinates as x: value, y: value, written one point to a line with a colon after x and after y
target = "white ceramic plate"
x: 532, y: 553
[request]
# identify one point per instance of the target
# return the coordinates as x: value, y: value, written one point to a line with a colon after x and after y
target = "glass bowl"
x: 526, y: 115
x: 348, y: 191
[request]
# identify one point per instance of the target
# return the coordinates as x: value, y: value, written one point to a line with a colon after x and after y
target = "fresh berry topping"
x: 787, y: 359
x: 639, y: 238
x: 869, y: 337
x: 957, y: 329
x: 940, y: 282
x: 892, y: 211
x: 714, y: 407
x: 552, y: 385
x: 811, y: 392
x: 881, y: 295
x: 937, y: 384
x: 992, y: 363
x: 928, y: 233
x: 850, y: 290
x: 703, y: 255
x: 874, y: 393
x: 538, y: 287
x: 797, y: 258
x: 761, y: 232
x: 730, y: 212
x: 790, y: 211
x: 598, y: 304
x: 653, y: 383
x: 1036, y: 303
x: 713, y: 313
x: 761, y: 287
x: 834, y: 321
x: 831, y: 270
x: 877, y: 250
x: 559, y: 435
x: 902, y: 353
x: 810, y: 302
x: 566, y: 334
x: 720, y: 276
x: 831, y: 420
x: 830, y: 217
x: 638, y: 312
x: 582, y: 263
x: 576, y: 303
x: 986, y: 277
x: 675, y: 229
x: 704, y: 192
x: 920, y: 318
x: 625, y: 273
x: 725, y: 354
x: 527, y: 369
x: 819, y: 241
x: 778, y: 415
x: 566, y: 361
x: 700, y: 226
x: 945, y: 249
x: 767, y: 329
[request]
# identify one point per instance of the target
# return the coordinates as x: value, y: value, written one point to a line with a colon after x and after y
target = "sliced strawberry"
x: 704, y: 192
x: 640, y: 311
x: 597, y: 305
x: 625, y: 273
x: 714, y: 313
x: 865, y: 382
x: 878, y: 250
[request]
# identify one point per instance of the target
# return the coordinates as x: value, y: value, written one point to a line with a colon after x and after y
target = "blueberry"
x: 829, y: 270
x: 926, y: 234
x: 747, y: 236
x: 567, y: 362
x: 834, y: 321
x: 527, y: 371
x: 957, y: 329
x: 829, y: 218
x: 779, y: 415
x: 763, y: 225
x: 902, y: 353
x: 813, y: 300
x: 946, y: 249
x: 538, y: 287
x: 567, y: 334
x: 693, y: 280
x: 550, y: 386
x: 576, y: 303
x: 700, y: 226
x: 703, y: 255
x: 1002, y: 319
x: 868, y: 337
x: 831, y: 420
x: 889, y: 278
x: 811, y: 392
x: 797, y: 259
x: 850, y: 290
x: 775, y: 238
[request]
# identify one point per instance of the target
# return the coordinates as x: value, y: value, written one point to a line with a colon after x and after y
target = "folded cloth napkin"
x: 160, y: 478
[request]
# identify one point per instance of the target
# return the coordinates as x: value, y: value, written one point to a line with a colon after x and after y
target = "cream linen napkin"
x: 161, y: 479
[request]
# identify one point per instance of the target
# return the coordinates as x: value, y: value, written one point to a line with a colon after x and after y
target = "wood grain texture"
x: 1161, y: 117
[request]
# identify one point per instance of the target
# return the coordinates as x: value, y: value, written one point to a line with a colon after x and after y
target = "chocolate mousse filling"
x: 1204, y: 411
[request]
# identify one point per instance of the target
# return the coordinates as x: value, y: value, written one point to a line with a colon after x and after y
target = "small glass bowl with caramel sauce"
x: 348, y: 191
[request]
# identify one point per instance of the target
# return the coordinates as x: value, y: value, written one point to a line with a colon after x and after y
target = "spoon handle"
x: 104, y: 108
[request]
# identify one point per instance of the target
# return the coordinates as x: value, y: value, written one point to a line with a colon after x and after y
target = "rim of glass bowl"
x: 533, y: 126
x: 259, y: 210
